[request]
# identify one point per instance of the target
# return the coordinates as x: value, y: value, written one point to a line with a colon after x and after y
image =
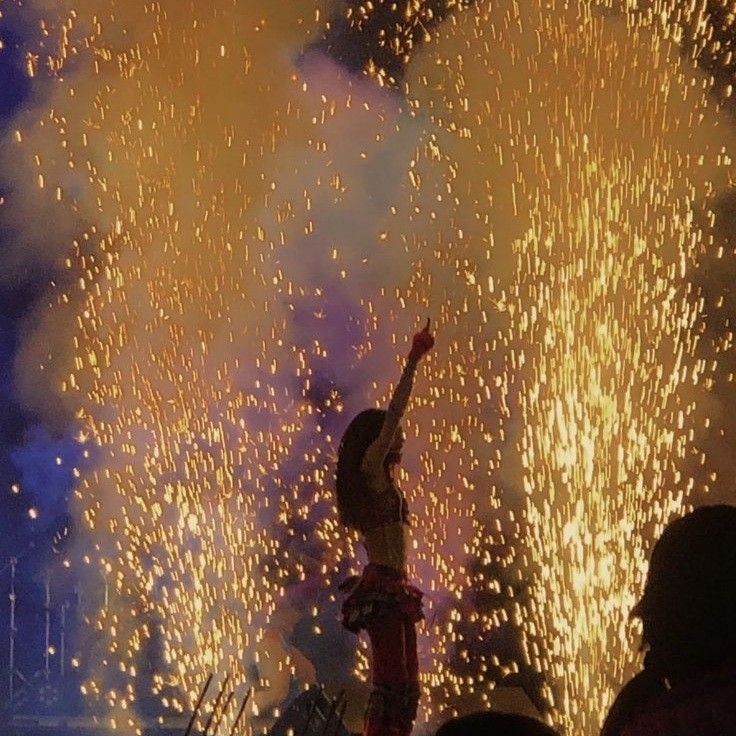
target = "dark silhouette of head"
x: 488, y: 723
x: 688, y: 608
x: 361, y: 432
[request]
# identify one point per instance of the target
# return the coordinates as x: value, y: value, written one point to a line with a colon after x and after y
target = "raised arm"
x: 377, y: 451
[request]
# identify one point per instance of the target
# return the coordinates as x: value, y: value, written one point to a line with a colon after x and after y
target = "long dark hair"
x: 359, y: 435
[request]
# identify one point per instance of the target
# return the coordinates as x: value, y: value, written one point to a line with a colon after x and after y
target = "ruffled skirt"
x: 378, y: 591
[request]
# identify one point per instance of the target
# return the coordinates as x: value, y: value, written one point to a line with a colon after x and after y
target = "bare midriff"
x: 387, y: 544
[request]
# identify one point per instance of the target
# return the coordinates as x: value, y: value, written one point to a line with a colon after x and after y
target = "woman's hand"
x: 422, y: 343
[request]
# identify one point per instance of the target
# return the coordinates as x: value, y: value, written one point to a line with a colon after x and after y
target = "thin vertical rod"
x: 331, y: 712
x: 240, y: 713
x: 216, y: 727
x: 305, y: 730
x: 197, y: 706
x: 62, y: 641
x: 341, y: 716
x: 214, y: 707
x: 11, y: 656
x: 47, y: 640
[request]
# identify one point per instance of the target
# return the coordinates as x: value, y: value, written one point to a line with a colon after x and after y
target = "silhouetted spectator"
x: 688, y: 612
x: 488, y: 723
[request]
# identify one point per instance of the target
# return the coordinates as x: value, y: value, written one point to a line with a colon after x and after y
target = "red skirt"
x: 379, y: 590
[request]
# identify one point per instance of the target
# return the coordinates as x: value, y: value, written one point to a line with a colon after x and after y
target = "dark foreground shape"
x: 688, y: 610
x: 312, y: 714
x: 488, y: 723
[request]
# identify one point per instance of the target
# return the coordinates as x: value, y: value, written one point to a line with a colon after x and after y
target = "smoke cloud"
x: 246, y: 232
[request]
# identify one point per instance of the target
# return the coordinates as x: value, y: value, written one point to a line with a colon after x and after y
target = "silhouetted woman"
x: 688, y: 612
x: 381, y: 600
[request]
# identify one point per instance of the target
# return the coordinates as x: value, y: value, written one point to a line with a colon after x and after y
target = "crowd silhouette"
x: 688, y: 614
x: 489, y: 724
x: 687, y: 686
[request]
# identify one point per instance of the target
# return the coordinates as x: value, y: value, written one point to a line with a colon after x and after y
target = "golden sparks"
x: 542, y: 183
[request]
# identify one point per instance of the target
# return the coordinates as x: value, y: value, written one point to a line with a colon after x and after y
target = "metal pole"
x: 305, y: 730
x: 11, y: 693
x: 240, y: 713
x: 47, y: 652
x: 218, y: 721
x: 331, y: 712
x: 62, y: 642
x: 341, y: 716
x: 215, y: 706
x: 197, y: 706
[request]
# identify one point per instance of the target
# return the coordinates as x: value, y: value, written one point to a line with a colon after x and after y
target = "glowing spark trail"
x: 249, y: 234
x: 603, y: 172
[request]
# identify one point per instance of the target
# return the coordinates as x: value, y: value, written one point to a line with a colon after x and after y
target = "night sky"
x: 33, y: 487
